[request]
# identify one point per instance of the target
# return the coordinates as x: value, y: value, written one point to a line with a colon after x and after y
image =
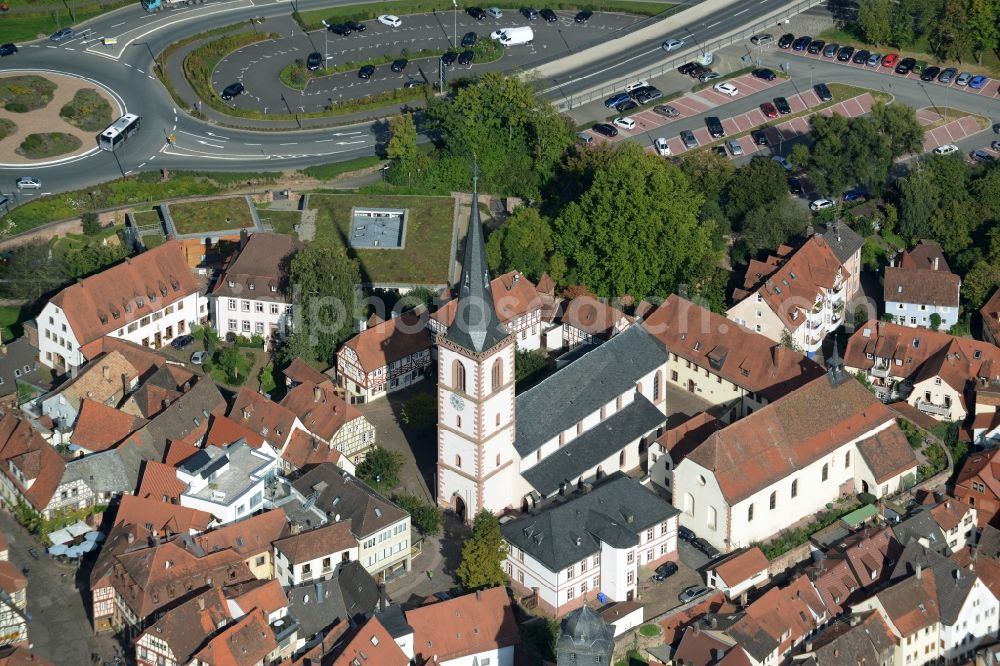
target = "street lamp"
x: 454, y: 37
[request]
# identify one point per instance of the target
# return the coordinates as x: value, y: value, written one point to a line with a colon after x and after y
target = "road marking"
x: 742, y: 11
x: 323, y: 140
x: 713, y: 25
x: 251, y: 144
x: 127, y: 65
x: 294, y: 143
x: 141, y: 165
x: 118, y: 24
x: 139, y: 70
x: 152, y: 158
x: 206, y: 143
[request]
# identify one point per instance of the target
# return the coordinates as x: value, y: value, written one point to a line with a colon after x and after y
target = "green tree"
x: 91, y: 225
x: 231, y: 361
x: 901, y: 29
x: 539, y: 637
x: 951, y: 38
x: 523, y: 243
x: 527, y: 362
x: 762, y: 182
x: 420, y: 411
x: 874, y: 20
x: 91, y: 258
x: 425, y: 517
x: 800, y: 156
x: 267, y: 383
x: 31, y: 271
x: 483, y: 554
x: 380, y: 469
x: 402, y: 147
x: 899, y: 123
x: 323, y: 280
x: 983, y: 26
x: 935, y: 321
x: 635, y: 230
x: 770, y: 225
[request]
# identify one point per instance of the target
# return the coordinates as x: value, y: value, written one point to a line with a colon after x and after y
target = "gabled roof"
x: 514, y: 295
x: 143, y: 359
x: 12, y: 579
x: 248, y: 537
x: 843, y: 240
x: 319, y: 408
x: 100, y: 427
x: 985, y: 466
x: 991, y: 317
x: 787, y: 435
x: 304, y: 450
x: 593, y: 316
x: 740, y: 566
x: 394, y: 339
x: 680, y: 440
x: 572, y: 527
x: 245, y: 643
x: 920, y: 286
x: 104, y: 379
x: 867, y: 642
x: 563, y: 399
x: 189, y: 413
x: 127, y: 292
x: 465, y: 625
x: 222, y: 430
x: 735, y: 353
x: 945, y: 584
x: 263, y: 261
x: 299, y: 371
x: 38, y: 462
x: 106, y: 473
x: 161, y: 518
x: 922, y: 526
x: 701, y: 648
x: 186, y: 628
x: 888, y: 453
x: 925, y: 255
x: 370, y: 643
x: 261, y: 415
x: 321, y: 542
x: 337, y: 492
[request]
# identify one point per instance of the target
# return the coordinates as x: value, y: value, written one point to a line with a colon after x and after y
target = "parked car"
x: 666, y: 111
x: 978, y: 81
x: 62, y: 34
x: 549, y: 15
x: 466, y: 58
x: 980, y: 155
x: 399, y: 65
x: 661, y: 147
x: 930, y: 73
x: 795, y: 186
x: 476, y: 13
x: 449, y: 58
x: 530, y: 13
x: 664, y: 571
x: 390, y: 20
x: 690, y: 141
x: 605, y: 129
x: 857, y: 194
x: 672, y: 44
x: 721, y: 151
x: 996, y: 128
x: 963, y: 79
x: 860, y: 57
x: 919, y: 66
x: 769, y: 110
x: 686, y: 67
x: 635, y: 85
x: 7, y: 49
x: 708, y: 75
x: 616, y: 99
x: 584, y: 138
x: 698, y: 70
x: 625, y: 122
x: 759, y: 137
x: 734, y: 147
x: 995, y: 146
x: 646, y: 95
x: 339, y: 29
x: 627, y: 105
x: 905, y: 66
x: 889, y: 60
x: 685, y: 533
x: 413, y: 83
x: 715, y: 127
x: 765, y: 74
x: 583, y: 17
x: 845, y: 53
x: 782, y: 105
x: 495, y: 12
x: 823, y: 92
x: 801, y: 43
x: 874, y: 60
x: 314, y: 61
x: 947, y: 75
x: 28, y: 183
x: 692, y: 593
x: 366, y: 72
x: 786, y: 40
x: 181, y: 341
x: 821, y: 204
x: 946, y: 149
x: 705, y: 547
x: 232, y: 90
x: 726, y: 89
x: 815, y: 46
x: 762, y: 39
x: 830, y: 51
x: 199, y: 357
x: 356, y: 26
x: 469, y: 39
x: 782, y: 162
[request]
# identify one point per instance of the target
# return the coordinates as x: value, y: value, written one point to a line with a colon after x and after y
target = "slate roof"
x: 103, y: 472
x: 350, y: 595
x: 951, y: 584
x: 585, y: 628
x: 599, y: 443
x: 476, y: 326
x: 339, y: 492
x: 991, y: 317
x: 571, y: 528
x: 843, y: 240
x: 190, y: 412
x: 887, y: 453
x: 563, y: 399
x: 787, y: 435
x: 16, y: 355
x: 922, y: 525
x: 320, y: 542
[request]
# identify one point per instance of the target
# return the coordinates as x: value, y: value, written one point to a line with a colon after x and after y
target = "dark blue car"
x: 615, y: 100
x: 856, y: 194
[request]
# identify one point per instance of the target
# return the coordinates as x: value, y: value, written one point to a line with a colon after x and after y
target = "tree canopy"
x: 483, y: 554
x: 380, y: 469
x: 524, y: 242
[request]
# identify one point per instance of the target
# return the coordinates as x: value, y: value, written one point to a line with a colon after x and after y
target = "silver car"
x: 963, y: 79
x: 689, y: 139
x: 28, y: 183
x: 495, y: 12
x: 692, y: 593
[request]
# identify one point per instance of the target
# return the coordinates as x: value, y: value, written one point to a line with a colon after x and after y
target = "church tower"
x: 477, y: 463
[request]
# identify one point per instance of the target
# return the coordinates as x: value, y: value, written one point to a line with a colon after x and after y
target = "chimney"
x: 131, y: 537
x: 201, y: 603
x: 317, y: 394
x: 957, y: 573
x: 713, y: 622
x: 479, y: 595
x: 810, y: 230
x: 383, y: 601
x: 246, y: 413
x: 855, y: 619
x: 106, y: 373
x: 777, y: 354
x: 920, y: 569
x: 935, y: 263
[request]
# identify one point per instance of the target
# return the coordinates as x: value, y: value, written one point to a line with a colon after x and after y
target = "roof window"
x: 232, y: 283
x: 916, y: 343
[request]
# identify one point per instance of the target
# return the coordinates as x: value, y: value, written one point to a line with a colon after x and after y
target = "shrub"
x: 91, y: 225
x: 425, y: 517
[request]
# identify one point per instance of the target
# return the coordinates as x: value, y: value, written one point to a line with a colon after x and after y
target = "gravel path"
x: 48, y: 120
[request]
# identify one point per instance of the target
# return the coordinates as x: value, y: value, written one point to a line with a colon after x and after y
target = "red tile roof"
x: 223, y: 430
x: 248, y: 537
x: 320, y: 542
x: 304, y: 450
x: 927, y: 254
x: 320, y: 409
x: 984, y: 466
x: 299, y: 371
x: 263, y: 416
x: 264, y: 261
x: 161, y: 518
x: 513, y: 296
x: 12, y: 580
x: 742, y: 565
x: 462, y: 626
x: 920, y: 286
x: 127, y: 292
x: 159, y: 481
x: 682, y: 439
x: 179, y: 450
x: 733, y: 352
x: 100, y: 427
x: 912, y: 603
x: 788, y: 434
x: 395, y: 339
x: 792, y: 608
x: 888, y: 453
x: 593, y: 316
x: 371, y: 643
x: 143, y: 359
x: 244, y: 643
x: 991, y: 317
x: 38, y: 462
x: 673, y: 624
x: 21, y: 656
x: 267, y: 595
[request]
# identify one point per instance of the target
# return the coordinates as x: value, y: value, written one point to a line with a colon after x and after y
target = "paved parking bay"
x: 258, y: 65
x: 951, y: 132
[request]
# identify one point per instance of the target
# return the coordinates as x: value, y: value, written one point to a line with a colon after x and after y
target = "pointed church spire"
x: 835, y: 366
x: 476, y: 326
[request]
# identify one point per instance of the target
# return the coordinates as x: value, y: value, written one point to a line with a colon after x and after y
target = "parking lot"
x: 258, y: 65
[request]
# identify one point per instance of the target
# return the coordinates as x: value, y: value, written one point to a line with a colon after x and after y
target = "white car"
x: 821, y: 204
x: 625, y: 123
x: 390, y: 20
x: 727, y: 89
x: 28, y: 183
x: 495, y: 12
x: 661, y: 147
x: 785, y: 164
x: 946, y: 149
x: 672, y: 45
x: 635, y: 86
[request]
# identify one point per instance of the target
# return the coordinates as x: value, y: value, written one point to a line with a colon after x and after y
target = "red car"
x: 769, y: 110
x: 890, y: 60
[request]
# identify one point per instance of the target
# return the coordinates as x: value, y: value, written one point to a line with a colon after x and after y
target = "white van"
x: 517, y: 36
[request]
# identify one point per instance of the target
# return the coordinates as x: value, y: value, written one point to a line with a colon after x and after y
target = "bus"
x: 119, y: 130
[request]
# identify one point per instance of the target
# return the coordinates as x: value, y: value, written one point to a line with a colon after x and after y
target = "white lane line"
x: 742, y: 11
x: 152, y: 158
x: 323, y: 140
x: 294, y: 143
x: 118, y: 24
x: 139, y: 70
x: 251, y: 144
x: 141, y: 165
x: 713, y: 24
x: 126, y: 64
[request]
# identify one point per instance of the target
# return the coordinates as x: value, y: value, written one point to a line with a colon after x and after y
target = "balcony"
x: 943, y: 411
x: 818, y: 306
x: 880, y: 371
x: 814, y: 324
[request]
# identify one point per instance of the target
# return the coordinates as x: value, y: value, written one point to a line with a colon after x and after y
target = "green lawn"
x: 214, y: 215
x: 282, y: 221
x: 10, y: 322
x: 920, y: 50
x: 331, y: 171
x: 22, y: 27
x: 424, y: 260
x: 146, y: 218
x: 48, y: 144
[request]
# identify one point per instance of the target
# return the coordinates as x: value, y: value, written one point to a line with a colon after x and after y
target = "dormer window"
x: 274, y: 289
x: 916, y: 343
x: 232, y: 283
x: 978, y: 354
x: 252, y: 286
x: 139, y: 302
x: 745, y: 371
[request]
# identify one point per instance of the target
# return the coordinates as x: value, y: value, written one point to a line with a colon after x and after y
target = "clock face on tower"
x: 457, y: 402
